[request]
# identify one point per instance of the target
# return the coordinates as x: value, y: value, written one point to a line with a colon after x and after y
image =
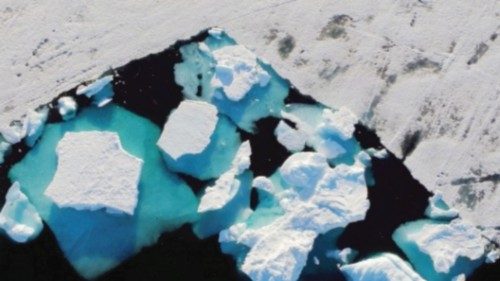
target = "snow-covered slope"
x: 423, y: 73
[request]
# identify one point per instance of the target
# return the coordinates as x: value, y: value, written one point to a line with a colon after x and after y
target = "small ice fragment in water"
x: 95, y: 172
x: 227, y: 185
x: 384, y: 267
x: 100, y: 91
x: 67, y: 107
x: 18, y: 218
x: 188, y: 129
x: 237, y: 71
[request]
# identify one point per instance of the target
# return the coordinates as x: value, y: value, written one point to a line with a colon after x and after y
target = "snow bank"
x: 188, y: 129
x: 384, y: 267
x: 320, y: 199
x: 18, y: 218
x: 67, y: 107
x: 227, y: 185
x: 237, y: 71
x: 94, y: 172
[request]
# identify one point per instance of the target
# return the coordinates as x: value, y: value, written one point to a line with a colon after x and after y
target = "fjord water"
x: 95, y: 241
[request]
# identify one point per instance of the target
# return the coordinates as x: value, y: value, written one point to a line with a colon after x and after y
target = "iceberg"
x: 382, y: 267
x: 30, y: 128
x: 316, y: 199
x: 94, y: 172
x: 188, y: 129
x: 440, y: 250
x: 67, y: 107
x: 19, y: 218
x: 227, y: 186
x: 237, y: 71
x: 294, y: 140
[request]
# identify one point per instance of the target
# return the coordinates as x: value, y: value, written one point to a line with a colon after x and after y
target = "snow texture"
x: 31, y: 127
x: 237, y: 71
x: 319, y: 198
x: 188, y: 128
x: 18, y: 218
x: 294, y: 140
x: 94, y: 172
x: 445, y: 243
x: 384, y: 267
x: 227, y: 185
x: 493, y: 256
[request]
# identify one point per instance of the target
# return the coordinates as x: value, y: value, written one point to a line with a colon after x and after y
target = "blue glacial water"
x: 422, y: 262
x: 95, y: 241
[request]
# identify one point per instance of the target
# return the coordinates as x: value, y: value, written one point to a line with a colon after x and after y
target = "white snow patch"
x: 67, y: 107
x: 385, y: 267
x: 188, y: 128
x: 94, y: 172
x: 294, y: 140
x: 227, y: 185
x: 237, y: 71
x: 263, y: 183
x: 321, y: 199
x: 460, y: 277
x: 377, y: 153
x: 19, y: 218
x: 445, y: 243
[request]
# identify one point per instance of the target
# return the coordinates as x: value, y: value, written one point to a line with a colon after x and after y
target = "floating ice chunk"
x: 460, y: 277
x: 94, y: 172
x: 377, y: 153
x: 384, y: 267
x: 100, y: 91
x: 294, y: 140
x: 5, y: 148
x: 14, y: 133
x: 67, y: 107
x: 237, y: 71
x: 444, y: 243
x: 35, y: 123
x: 188, y: 129
x: 227, y: 185
x: 344, y: 256
x: 18, y: 218
x: 493, y: 256
x: 263, y: 183
x: 322, y: 199
x: 438, y: 209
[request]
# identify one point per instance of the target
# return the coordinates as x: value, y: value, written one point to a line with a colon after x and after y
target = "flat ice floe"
x: 317, y: 199
x: 19, y: 218
x: 94, y: 172
x: 188, y: 129
x: 383, y: 267
x: 237, y: 71
x: 227, y: 185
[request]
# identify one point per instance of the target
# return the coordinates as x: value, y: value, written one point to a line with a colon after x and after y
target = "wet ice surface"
x: 266, y: 184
